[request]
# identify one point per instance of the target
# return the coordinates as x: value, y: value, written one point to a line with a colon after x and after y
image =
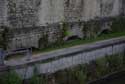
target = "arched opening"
x: 104, y: 31
x: 43, y: 42
x: 70, y: 38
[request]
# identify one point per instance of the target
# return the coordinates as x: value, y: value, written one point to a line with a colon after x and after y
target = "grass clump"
x: 10, y: 78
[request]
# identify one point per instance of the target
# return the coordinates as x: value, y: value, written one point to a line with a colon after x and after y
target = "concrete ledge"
x: 53, y: 61
x: 67, y: 52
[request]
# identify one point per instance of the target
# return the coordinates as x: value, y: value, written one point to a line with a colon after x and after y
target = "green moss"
x: 65, y: 29
x: 79, y: 42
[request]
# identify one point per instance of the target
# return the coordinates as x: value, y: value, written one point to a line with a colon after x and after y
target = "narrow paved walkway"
x: 59, y: 52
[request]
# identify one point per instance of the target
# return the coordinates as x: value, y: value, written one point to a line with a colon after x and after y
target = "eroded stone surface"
x: 30, y: 20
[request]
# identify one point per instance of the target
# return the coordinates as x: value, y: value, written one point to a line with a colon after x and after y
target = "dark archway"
x: 70, y: 38
x: 43, y: 42
x: 104, y: 31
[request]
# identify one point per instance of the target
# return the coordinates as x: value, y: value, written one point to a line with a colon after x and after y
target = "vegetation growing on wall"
x: 65, y: 29
x: 94, y: 29
x: 90, y: 31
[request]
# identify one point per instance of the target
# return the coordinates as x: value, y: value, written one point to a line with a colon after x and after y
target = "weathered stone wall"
x: 52, y: 33
x: 31, y: 36
x: 3, y: 12
x: 24, y: 38
x: 110, y: 7
x: 75, y: 10
x: 123, y: 7
x: 22, y: 13
x: 51, y: 11
x: 24, y: 16
x: 27, y: 13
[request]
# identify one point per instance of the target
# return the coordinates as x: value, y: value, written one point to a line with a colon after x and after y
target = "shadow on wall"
x: 43, y: 42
